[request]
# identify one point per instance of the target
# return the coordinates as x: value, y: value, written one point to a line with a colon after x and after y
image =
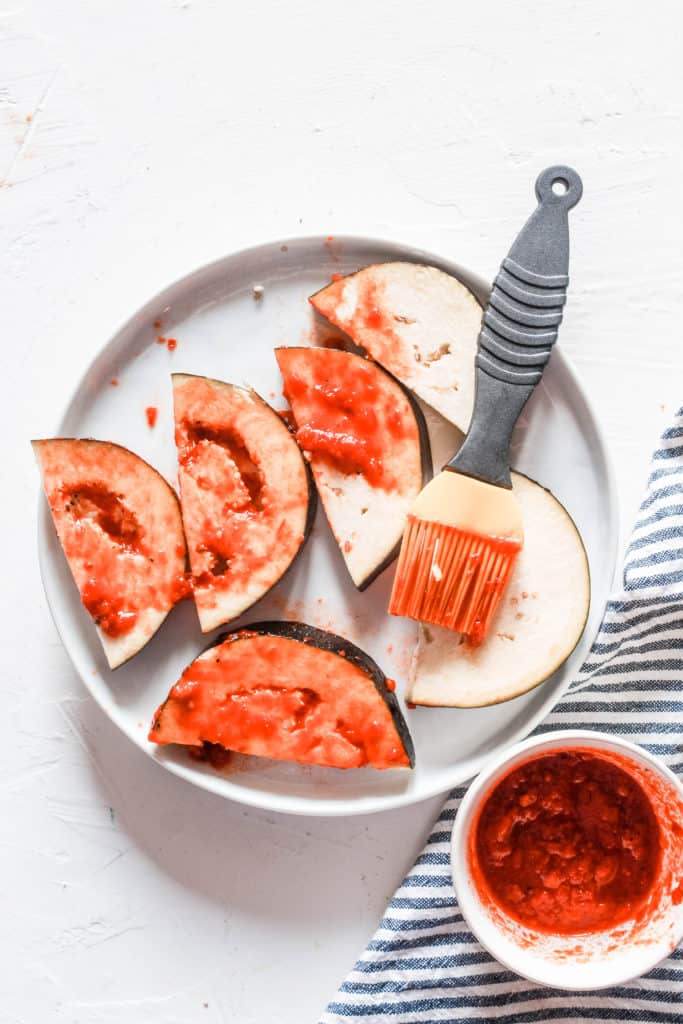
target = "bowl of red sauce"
x: 567, y: 860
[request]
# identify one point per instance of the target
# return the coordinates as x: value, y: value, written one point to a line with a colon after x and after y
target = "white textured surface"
x: 164, y: 134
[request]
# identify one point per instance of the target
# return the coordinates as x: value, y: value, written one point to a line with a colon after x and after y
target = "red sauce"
x: 181, y: 587
x: 391, y: 684
x: 110, y: 512
x: 110, y: 613
x: 114, y: 382
x: 370, y: 325
x: 236, y: 517
x: 123, y: 556
x: 337, y: 277
x: 348, y: 416
x: 278, y: 697
x: 385, y: 344
x: 410, y: 705
x: 170, y: 343
x: 157, y: 325
x: 218, y: 757
x: 151, y: 412
x: 566, y: 843
x: 373, y: 317
x: 94, y: 503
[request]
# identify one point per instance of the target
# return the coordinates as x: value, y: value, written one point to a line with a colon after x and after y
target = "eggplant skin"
x: 325, y: 641
x: 312, y: 506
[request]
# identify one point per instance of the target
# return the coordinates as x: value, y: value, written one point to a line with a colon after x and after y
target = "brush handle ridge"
x: 519, y: 327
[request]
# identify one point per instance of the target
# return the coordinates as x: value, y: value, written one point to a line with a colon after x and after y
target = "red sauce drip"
x: 157, y: 325
x: 151, y: 412
x: 566, y: 843
x: 181, y: 588
x: 337, y: 277
x: 170, y: 343
x: 115, y: 382
x: 373, y: 317
x: 110, y: 613
x: 348, y: 418
x: 215, y: 755
x: 391, y: 684
x: 410, y: 705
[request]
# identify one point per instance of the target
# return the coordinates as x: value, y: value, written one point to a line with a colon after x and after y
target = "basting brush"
x: 464, y: 531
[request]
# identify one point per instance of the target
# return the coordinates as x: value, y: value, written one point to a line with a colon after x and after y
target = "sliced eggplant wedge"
x: 367, y: 444
x: 287, y: 691
x: 417, y: 322
x: 538, y: 624
x: 119, y: 525
x: 247, y: 498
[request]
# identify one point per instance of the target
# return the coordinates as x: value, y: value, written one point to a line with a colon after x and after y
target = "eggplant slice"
x: 119, y: 525
x: 419, y: 323
x: 287, y: 691
x: 539, y: 622
x: 367, y: 444
x: 247, y: 498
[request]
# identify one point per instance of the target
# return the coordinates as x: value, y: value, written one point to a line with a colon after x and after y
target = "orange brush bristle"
x: 452, y: 577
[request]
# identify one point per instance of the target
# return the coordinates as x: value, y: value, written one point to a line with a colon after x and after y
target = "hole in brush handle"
x: 536, y: 267
x: 559, y: 185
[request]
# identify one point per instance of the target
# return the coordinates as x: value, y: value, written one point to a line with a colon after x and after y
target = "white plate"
x: 222, y: 331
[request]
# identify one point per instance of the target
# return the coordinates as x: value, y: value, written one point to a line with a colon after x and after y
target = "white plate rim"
x: 291, y: 804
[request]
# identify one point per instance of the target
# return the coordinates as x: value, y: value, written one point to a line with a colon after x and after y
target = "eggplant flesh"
x: 247, y: 497
x: 539, y: 622
x: 416, y: 321
x: 366, y: 441
x: 119, y: 525
x: 288, y: 691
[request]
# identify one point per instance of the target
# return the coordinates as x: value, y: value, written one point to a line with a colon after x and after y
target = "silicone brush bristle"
x: 451, y: 577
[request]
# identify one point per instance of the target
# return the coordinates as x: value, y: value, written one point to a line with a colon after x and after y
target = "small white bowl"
x: 574, y: 962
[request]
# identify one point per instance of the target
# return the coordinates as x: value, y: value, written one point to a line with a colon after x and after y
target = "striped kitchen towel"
x: 422, y: 964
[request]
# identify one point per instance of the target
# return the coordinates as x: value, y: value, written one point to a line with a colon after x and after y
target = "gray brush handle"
x: 519, y: 327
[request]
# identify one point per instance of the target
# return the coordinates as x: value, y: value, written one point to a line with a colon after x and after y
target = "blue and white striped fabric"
x: 422, y: 964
